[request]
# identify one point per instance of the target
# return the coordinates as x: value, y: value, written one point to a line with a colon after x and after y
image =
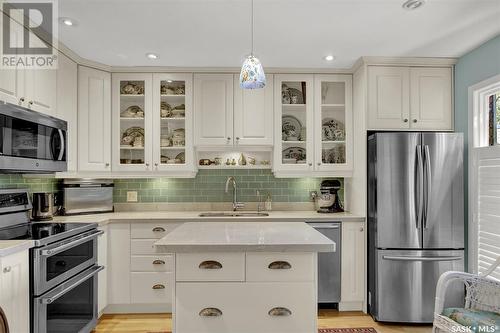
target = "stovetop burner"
x: 43, y: 233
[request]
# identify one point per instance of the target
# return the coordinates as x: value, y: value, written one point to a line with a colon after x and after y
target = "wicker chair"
x: 482, y: 293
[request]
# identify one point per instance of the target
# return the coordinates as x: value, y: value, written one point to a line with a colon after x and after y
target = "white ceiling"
x: 288, y: 33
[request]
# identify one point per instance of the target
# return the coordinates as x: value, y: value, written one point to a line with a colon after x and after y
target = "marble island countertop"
x: 245, y: 237
x: 12, y: 246
x: 193, y: 216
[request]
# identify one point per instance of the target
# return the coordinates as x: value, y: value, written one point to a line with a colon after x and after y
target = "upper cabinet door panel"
x: 388, y: 97
x: 253, y: 114
x: 430, y: 91
x: 94, y: 120
x: 213, y: 104
x: 11, y: 79
x: 41, y: 90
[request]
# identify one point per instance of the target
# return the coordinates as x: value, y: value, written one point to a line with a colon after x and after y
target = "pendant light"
x: 252, y: 74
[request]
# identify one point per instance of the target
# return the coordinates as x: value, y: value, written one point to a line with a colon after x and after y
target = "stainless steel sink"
x: 233, y: 214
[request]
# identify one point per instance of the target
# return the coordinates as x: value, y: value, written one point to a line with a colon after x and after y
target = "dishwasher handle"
x: 328, y: 225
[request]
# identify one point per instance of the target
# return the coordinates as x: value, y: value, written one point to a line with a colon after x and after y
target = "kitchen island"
x: 245, y: 277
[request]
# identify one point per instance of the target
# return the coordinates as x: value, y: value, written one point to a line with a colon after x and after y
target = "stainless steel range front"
x: 63, y: 267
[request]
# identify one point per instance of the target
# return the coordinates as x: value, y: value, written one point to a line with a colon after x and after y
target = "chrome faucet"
x: 236, y: 205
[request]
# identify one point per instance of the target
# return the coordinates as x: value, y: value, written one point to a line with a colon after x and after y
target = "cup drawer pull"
x: 279, y: 265
x: 210, y: 312
x: 210, y: 264
x: 158, y: 286
x: 158, y: 229
x: 279, y: 312
x: 158, y: 262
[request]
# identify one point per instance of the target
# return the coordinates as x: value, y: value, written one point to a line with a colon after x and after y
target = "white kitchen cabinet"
x: 102, y: 277
x: 253, y: 114
x: 294, y: 112
x: 94, y: 119
x: 67, y: 105
x: 353, y: 272
x: 388, y: 97
x: 213, y: 105
x: 409, y: 98
x: 430, y: 98
x: 333, y: 124
x: 132, y: 122
x: 14, y: 290
x: 118, y: 264
x: 11, y: 80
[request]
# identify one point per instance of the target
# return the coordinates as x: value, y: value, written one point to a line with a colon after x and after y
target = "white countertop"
x: 245, y: 237
x: 12, y: 246
x: 193, y: 216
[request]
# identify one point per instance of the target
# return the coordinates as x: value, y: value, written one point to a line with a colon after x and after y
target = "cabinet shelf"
x: 288, y: 142
x: 173, y: 148
x: 131, y: 119
x: 238, y: 167
x: 333, y: 142
x: 171, y: 95
x: 131, y: 148
x: 131, y: 95
x: 174, y: 118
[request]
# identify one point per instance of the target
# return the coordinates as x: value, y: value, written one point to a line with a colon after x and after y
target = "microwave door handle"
x: 415, y: 258
x: 51, y: 297
x: 64, y: 247
x: 63, y: 146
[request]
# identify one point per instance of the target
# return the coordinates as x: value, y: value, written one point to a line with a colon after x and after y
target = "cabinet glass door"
x: 172, y: 121
x: 294, y: 122
x: 132, y: 122
x: 333, y: 121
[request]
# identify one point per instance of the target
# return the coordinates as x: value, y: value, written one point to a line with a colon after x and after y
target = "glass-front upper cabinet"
x: 131, y: 121
x: 293, y: 149
x: 333, y: 122
x: 173, y: 122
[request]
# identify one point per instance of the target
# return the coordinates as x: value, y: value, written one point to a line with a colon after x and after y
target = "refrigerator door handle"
x: 414, y: 258
x: 420, y: 187
x: 428, y: 177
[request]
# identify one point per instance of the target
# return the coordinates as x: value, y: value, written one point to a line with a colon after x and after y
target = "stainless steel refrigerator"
x: 415, y: 221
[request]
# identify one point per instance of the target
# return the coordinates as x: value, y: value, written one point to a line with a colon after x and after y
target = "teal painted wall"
x: 475, y: 66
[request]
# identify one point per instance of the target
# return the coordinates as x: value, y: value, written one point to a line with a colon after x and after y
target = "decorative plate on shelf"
x: 181, y: 157
x: 170, y: 89
x: 335, y: 155
x: 290, y: 128
x: 291, y: 95
x: 332, y: 130
x: 133, y: 111
x: 297, y: 153
x: 130, y: 88
x: 133, y: 136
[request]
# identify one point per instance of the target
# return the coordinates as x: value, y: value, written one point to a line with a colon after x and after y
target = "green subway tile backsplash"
x: 209, y: 186
x: 33, y: 184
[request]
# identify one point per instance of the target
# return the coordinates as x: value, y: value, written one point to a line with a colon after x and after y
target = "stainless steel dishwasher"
x: 329, y: 263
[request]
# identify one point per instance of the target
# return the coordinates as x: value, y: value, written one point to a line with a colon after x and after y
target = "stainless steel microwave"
x: 31, y: 142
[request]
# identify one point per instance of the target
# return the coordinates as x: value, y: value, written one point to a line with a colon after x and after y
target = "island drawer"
x: 216, y: 266
x: 286, y: 307
x: 151, y: 230
x: 159, y: 263
x: 280, y: 266
x: 151, y: 287
x: 143, y: 246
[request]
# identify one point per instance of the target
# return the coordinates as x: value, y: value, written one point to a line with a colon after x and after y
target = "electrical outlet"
x: 313, y: 195
x: 131, y: 196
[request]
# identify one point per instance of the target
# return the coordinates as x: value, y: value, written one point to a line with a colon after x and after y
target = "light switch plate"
x: 131, y: 196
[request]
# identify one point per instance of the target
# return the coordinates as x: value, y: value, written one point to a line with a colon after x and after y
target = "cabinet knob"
x: 228, y: 138
x: 7, y: 269
x: 30, y: 102
x: 237, y: 138
x: 319, y: 163
x: 158, y: 229
x: 415, y: 120
x: 156, y: 164
x: 310, y: 164
x: 21, y: 100
x: 107, y: 165
x: 158, y: 286
x: 361, y: 229
x: 405, y: 120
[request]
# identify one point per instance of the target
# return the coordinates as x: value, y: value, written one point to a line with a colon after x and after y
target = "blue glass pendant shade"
x: 252, y: 74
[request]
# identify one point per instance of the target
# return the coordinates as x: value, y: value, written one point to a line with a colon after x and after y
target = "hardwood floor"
x: 146, y: 323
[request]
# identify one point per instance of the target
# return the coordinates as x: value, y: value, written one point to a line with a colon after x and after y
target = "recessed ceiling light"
x: 151, y: 56
x: 413, y: 4
x: 329, y: 57
x: 67, y: 21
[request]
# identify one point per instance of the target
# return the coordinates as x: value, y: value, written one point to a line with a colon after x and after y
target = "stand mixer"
x: 328, y: 200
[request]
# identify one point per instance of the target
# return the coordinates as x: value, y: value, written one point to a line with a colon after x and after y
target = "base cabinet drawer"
x: 280, y: 266
x: 245, y: 307
x: 151, y: 230
x: 159, y: 263
x: 210, y: 266
x: 143, y: 246
x: 151, y: 287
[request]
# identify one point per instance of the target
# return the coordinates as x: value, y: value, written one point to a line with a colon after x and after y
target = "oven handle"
x: 53, y: 296
x: 69, y: 245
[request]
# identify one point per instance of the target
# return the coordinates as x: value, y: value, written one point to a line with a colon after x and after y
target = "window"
x: 494, y: 118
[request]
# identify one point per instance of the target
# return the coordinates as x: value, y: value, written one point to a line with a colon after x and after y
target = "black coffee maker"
x: 328, y: 200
